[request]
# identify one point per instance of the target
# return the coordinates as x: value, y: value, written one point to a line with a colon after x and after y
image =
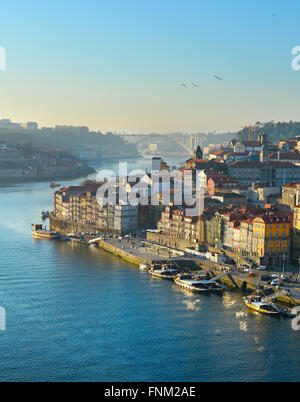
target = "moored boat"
x: 144, y: 265
x: 164, y: 271
x: 189, y: 282
x: 39, y: 231
x: 213, y: 285
x: 257, y: 304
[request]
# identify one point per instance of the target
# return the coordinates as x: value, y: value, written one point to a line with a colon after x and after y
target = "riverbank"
x: 136, y: 252
x: 79, y: 174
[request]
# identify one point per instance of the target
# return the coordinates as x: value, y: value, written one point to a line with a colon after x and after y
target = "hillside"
x: 93, y: 145
x: 274, y: 131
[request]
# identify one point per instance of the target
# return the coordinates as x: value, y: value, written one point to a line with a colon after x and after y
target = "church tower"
x: 263, y: 157
x: 198, y: 154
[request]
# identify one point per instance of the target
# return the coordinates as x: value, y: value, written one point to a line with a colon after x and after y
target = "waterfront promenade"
x: 137, y: 251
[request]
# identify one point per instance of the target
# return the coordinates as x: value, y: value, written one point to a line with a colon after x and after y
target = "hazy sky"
x: 117, y: 64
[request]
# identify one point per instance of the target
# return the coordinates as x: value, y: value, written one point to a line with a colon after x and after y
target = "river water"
x: 80, y: 314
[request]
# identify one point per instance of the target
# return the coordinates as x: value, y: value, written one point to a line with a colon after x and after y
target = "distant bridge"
x: 187, y: 141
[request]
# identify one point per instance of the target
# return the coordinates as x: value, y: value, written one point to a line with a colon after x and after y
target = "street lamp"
x: 283, y: 263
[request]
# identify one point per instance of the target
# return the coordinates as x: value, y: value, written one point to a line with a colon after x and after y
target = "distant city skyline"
x: 8, y: 124
x: 119, y: 66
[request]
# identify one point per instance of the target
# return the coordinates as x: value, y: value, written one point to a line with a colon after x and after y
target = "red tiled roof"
x: 285, y: 155
x: 218, y: 152
x: 294, y: 185
x: 238, y: 153
x: 251, y: 143
x: 198, y: 160
x: 260, y: 164
x: 71, y: 188
x: 273, y: 217
x: 222, y: 178
x: 246, y: 163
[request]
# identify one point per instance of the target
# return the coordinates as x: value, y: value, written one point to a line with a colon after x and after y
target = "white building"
x: 126, y: 218
x: 32, y: 126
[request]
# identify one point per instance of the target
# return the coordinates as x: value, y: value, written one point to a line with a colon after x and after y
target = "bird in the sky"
x: 218, y: 78
x: 194, y: 85
x: 184, y: 85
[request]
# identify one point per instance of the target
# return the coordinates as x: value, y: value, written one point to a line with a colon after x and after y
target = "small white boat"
x: 256, y: 303
x: 144, y: 265
x: 53, y: 185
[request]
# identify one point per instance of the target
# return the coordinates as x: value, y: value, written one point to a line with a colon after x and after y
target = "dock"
x: 136, y: 252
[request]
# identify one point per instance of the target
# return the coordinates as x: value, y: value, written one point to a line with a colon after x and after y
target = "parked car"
x: 262, y: 268
x: 248, y: 269
x: 266, y: 278
x: 283, y: 278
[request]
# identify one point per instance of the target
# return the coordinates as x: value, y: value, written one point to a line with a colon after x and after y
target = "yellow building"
x: 271, y: 239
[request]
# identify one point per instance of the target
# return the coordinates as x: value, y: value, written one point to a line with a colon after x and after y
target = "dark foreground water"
x: 80, y: 314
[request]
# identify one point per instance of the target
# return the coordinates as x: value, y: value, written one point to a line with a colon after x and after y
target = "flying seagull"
x: 194, y: 85
x: 218, y: 78
x: 184, y: 85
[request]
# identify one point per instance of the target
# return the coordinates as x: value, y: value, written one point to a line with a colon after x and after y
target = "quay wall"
x: 134, y: 259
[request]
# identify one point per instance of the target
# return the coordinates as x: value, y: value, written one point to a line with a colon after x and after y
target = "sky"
x: 117, y: 65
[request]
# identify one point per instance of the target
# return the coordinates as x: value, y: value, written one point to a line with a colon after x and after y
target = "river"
x: 80, y: 314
